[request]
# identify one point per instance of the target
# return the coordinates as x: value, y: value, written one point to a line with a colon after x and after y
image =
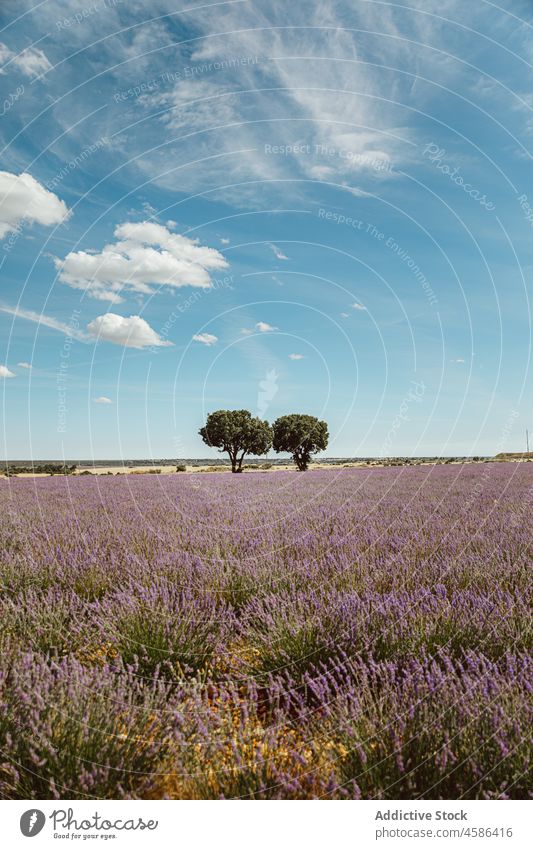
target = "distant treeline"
x: 43, y: 469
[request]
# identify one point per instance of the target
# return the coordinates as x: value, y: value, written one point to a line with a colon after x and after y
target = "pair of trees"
x: 237, y: 434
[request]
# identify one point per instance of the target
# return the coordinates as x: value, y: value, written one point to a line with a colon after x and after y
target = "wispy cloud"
x: 31, y: 62
x: 277, y: 252
x: 45, y: 321
x: 236, y: 99
x: 102, y: 399
x: 316, y: 130
x: 296, y: 357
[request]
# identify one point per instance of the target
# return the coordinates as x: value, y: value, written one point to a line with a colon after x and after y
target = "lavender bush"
x: 343, y: 634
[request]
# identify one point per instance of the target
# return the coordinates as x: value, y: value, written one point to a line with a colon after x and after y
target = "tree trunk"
x: 236, y: 461
x: 301, y: 461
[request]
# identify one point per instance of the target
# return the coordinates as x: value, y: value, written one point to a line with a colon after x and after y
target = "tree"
x: 238, y: 434
x: 301, y: 436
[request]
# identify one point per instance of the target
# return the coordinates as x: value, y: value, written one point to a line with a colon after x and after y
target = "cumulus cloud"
x: 131, y: 332
x: 357, y: 306
x: 205, y: 338
x: 23, y: 198
x: 102, y: 400
x: 264, y: 327
x: 24, y: 365
x: 296, y: 357
x: 146, y: 254
x: 277, y: 252
x: 224, y: 241
x: 4, y: 372
x: 31, y: 62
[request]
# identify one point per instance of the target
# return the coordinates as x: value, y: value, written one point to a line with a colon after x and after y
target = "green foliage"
x: 236, y: 433
x: 301, y: 436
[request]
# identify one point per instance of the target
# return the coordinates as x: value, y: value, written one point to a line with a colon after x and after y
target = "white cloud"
x: 264, y: 327
x: 145, y: 255
x: 357, y: 306
x: 224, y: 241
x: 131, y: 332
x: 458, y: 360
x: 345, y: 315
x: 246, y: 331
x: 30, y: 62
x: 296, y: 357
x: 205, y: 338
x: 4, y: 372
x: 277, y: 252
x: 22, y: 198
x: 70, y: 330
x: 102, y: 400
x: 24, y: 365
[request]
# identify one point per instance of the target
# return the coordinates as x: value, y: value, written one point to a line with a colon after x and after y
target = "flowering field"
x: 336, y: 634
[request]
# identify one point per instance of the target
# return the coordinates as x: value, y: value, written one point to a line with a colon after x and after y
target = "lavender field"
x: 354, y: 633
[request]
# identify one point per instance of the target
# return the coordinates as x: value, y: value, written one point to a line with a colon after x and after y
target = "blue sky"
x: 322, y: 207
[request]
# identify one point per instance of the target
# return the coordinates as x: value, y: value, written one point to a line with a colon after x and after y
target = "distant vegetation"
x: 44, y: 469
x: 237, y: 434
